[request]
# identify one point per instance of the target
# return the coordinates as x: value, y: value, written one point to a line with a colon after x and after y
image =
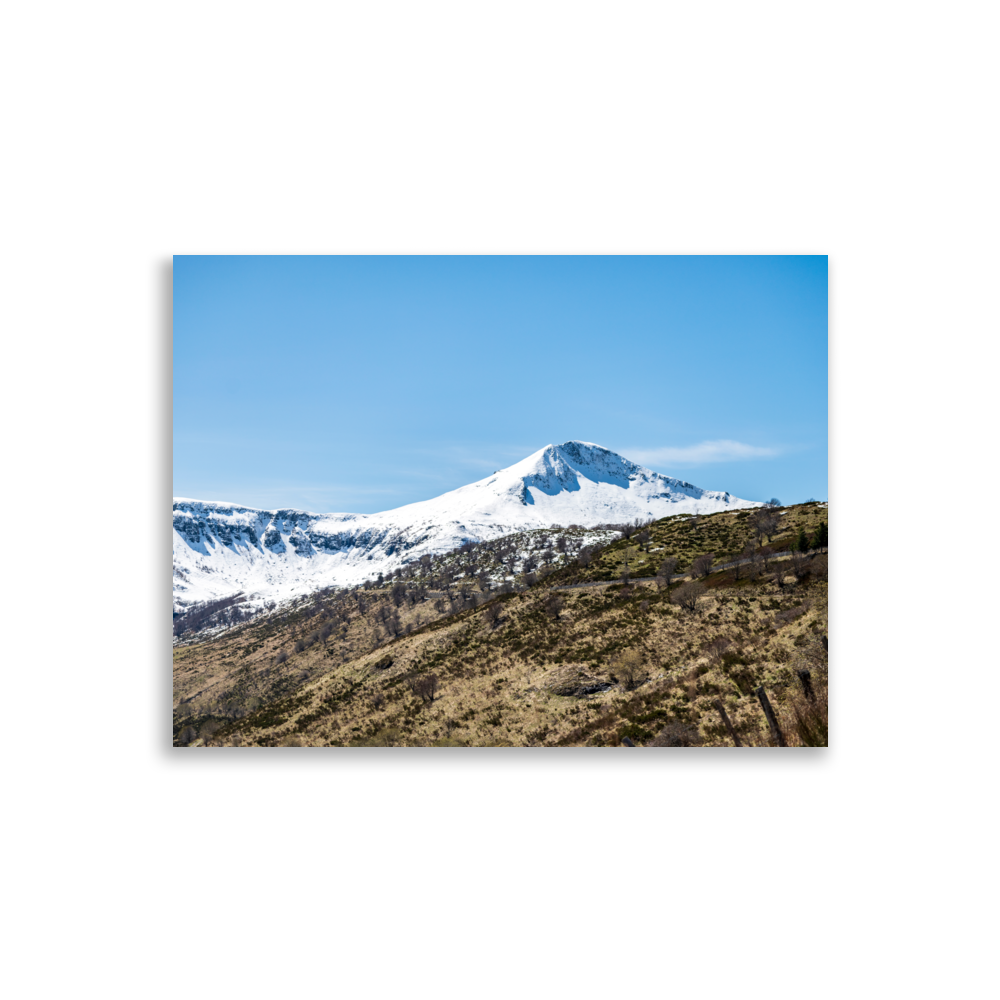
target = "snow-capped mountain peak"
x: 221, y: 549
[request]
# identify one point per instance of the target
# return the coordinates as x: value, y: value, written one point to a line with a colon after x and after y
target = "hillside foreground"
x: 436, y: 656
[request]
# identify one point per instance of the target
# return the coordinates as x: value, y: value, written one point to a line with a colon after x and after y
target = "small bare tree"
x: 493, y: 614
x: 687, y: 594
x: 743, y: 562
x: 425, y: 688
x: 625, y: 557
x: 553, y: 606
x: 772, y: 522
x: 666, y: 571
x: 702, y: 565
x: 799, y: 566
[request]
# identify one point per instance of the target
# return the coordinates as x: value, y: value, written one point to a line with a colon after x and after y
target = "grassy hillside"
x: 441, y: 659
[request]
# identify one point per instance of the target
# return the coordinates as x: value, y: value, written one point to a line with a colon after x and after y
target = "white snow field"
x: 222, y: 549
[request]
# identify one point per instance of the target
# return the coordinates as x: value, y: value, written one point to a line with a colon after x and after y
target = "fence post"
x: 771, y: 719
x: 805, y: 676
x: 725, y: 719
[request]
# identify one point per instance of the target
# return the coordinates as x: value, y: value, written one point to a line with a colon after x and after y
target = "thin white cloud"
x: 700, y: 454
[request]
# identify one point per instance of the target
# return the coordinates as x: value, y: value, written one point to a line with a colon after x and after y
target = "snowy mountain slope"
x: 221, y: 549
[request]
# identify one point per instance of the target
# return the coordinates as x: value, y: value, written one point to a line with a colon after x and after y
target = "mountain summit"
x: 222, y: 549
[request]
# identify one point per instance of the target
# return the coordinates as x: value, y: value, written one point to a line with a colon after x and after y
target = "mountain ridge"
x: 222, y: 549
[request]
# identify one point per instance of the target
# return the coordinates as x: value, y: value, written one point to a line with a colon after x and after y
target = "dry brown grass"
x: 608, y: 665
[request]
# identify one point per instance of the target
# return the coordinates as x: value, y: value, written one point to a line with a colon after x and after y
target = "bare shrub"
x: 553, y: 606
x: 677, y: 734
x: 716, y: 647
x: 790, y: 614
x: 186, y: 735
x: 281, y: 657
x: 585, y: 555
x: 687, y: 594
x: 628, y: 670
x: 299, y: 646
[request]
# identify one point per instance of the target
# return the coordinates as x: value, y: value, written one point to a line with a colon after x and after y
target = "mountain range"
x: 224, y: 549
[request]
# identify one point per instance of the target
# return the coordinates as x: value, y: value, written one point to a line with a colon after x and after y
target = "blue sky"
x: 363, y: 383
